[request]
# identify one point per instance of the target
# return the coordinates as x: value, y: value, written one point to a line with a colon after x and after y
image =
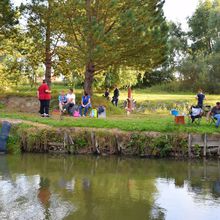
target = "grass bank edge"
x: 150, y: 123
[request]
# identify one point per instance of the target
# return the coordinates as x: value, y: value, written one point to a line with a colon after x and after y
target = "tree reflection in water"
x: 44, y: 195
x: 29, y: 197
x: 106, y: 188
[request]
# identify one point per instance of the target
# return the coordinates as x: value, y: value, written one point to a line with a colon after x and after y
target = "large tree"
x: 200, y: 66
x: 8, y: 18
x: 8, y: 22
x: 199, y: 29
x: 113, y: 33
x: 43, y: 28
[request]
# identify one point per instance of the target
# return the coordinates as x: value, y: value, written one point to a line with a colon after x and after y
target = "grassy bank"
x: 148, y: 122
x: 36, y: 138
x: 153, y: 111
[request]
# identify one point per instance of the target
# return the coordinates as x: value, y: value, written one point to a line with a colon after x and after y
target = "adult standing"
x: 44, y: 96
x: 115, y: 96
x: 200, y: 97
x: 106, y: 94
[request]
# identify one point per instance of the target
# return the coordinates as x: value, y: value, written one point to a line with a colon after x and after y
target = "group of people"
x: 66, y: 101
x: 197, y: 111
x: 115, y: 96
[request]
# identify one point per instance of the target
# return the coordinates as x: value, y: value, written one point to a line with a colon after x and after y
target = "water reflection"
x: 185, y: 202
x: 28, y: 196
x: 44, y: 195
x: 67, y: 187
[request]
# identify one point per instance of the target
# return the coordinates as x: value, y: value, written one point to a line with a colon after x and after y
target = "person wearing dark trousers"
x: 106, y: 94
x: 115, y: 96
x: 44, y: 96
x: 71, y: 101
x: 85, y: 104
x: 200, y: 98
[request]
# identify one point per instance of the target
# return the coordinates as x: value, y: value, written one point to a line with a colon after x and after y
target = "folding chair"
x: 206, y: 109
x: 212, y: 120
x: 195, y: 115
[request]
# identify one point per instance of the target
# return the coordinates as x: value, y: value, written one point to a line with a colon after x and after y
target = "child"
x: 62, y: 101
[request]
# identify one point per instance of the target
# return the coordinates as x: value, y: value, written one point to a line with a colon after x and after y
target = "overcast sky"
x: 175, y: 10
x: 179, y: 10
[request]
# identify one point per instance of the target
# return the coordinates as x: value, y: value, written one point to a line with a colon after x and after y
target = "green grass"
x: 151, y: 122
x: 155, y: 115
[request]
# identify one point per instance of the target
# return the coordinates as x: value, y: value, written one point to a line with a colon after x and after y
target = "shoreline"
x: 37, y: 138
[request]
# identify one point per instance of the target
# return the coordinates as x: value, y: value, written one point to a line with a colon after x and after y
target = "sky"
x: 175, y: 10
x: 179, y: 10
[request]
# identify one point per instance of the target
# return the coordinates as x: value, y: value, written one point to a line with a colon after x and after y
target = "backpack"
x: 101, y: 109
x: 76, y: 114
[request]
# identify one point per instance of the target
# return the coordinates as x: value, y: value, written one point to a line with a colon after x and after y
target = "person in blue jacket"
x: 85, y: 104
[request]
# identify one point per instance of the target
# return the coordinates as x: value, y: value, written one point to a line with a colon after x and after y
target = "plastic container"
x: 94, y: 113
x: 174, y: 112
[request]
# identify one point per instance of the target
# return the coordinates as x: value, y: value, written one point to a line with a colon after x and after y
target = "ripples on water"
x: 70, y: 187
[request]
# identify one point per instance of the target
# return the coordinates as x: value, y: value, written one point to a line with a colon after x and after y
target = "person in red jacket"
x: 44, y: 98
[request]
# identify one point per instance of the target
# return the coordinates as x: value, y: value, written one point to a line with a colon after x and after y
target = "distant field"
x: 140, y: 95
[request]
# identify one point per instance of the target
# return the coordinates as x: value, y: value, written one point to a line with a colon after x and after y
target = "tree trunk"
x: 48, y: 56
x: 90, y: 67
x: 89, y: 76
x: 48, y: 65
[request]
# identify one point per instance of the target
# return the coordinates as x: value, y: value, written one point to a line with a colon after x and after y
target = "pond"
x: 107, y: 188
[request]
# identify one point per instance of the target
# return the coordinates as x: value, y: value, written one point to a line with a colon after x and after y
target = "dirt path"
x: 19, y: 121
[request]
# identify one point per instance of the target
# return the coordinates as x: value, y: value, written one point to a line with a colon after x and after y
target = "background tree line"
x: 194, y: 55
x: 100, y: 43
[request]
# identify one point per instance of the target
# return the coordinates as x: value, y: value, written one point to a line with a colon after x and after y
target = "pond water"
x: 99, y: 188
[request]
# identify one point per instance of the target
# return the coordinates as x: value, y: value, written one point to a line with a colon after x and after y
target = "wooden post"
x: 189, y: 145
x: 129, y: 99
x: 93, y: 139
x: 205, y: 145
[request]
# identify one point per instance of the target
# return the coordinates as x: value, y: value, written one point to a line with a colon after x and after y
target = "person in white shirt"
x: 71, y: 100
x: 196, y: 112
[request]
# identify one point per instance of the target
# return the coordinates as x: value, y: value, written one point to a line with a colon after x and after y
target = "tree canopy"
x: 117, y: 33
x: 88, y: 39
